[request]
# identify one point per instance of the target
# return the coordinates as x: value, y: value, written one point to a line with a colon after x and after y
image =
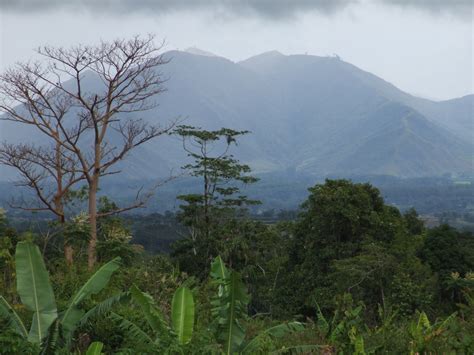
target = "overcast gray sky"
x: 424, y: 47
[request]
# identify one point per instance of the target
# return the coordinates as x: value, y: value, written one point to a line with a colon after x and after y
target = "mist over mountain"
x: 308, y: 115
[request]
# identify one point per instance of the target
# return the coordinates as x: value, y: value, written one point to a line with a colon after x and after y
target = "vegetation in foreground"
x: 349, y: 275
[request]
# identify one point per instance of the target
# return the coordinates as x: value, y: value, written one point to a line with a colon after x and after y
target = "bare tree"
x: 49, y: 173
x: 104, y: 88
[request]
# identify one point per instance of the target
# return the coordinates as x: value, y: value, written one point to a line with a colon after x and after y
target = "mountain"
x: 308, y: 115
x: 197, y: 51
x: 392, y: 140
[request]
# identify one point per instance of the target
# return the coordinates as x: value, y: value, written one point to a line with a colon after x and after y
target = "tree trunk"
x: 91, y: 251
x: 58, y: 201
x: 68, y: 250
x: 206, y: 204
x: 69, y: 254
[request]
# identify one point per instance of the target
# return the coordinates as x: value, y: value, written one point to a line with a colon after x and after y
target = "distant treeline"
x: 436, y: 196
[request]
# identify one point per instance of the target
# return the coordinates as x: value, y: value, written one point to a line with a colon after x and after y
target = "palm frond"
x: 131, y: 329
x: 13, y: 320
x: 50, y: 343
x: 255, y: 345
x: 93, y: 285
x: 152, y: 314
x: 104, y: 307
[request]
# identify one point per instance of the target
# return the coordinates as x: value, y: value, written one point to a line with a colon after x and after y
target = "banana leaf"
x: 35, y: 290
x: 182, y: 314
x: 94, y: 285
x: 278, y: 331
x: 95, y: 348
x: 13, y: 320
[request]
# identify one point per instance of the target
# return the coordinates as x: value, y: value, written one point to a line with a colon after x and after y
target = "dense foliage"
x: 349, y: 275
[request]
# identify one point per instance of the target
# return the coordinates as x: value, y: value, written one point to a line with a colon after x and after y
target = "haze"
x: 425, y: 48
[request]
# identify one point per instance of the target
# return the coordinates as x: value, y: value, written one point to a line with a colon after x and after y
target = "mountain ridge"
x: 314, y: 115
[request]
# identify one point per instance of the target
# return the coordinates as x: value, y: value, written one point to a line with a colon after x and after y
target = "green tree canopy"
x: 348, y: 240
x: 210, y: 214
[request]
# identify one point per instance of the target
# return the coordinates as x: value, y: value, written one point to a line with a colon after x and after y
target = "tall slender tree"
x: 220, y: 175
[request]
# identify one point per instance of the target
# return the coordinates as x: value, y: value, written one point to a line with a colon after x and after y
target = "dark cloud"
x: 271, y: 9
x: 277, y: 9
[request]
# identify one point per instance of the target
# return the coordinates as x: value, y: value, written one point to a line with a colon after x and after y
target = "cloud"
x: 459, y: 8
x: 269, y: 9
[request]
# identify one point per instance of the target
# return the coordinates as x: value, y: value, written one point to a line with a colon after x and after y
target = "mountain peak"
x: 197, y: 51
x: 273, y: 53
x: 266, y: 55
x: 264, y: 60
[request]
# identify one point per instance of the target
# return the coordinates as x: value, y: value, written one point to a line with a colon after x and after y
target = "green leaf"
x: 219, y: 270
x: 449, y: 319
x: 132, y: 330
x: 35, y: 289
x: 104, y: 307
x: 359, y: 346
x: 300, y: 349
x: 182, y: 314
x: 12, y: 318
x: 150, y: 311
x: 231, y: 307
x: 322, y: 323
x: 357, y: 341
x: 94, y: 285
x: 337, y: 331
x: 220, y: 275
x: 95, y: 348
x: 423, y: 321
x: 278, y: 331
x: 49, y: 344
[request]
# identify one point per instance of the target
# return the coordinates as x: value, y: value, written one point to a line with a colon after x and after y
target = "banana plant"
x: 229, y: 306
x: 36, y: 294
x: 230, y: 311
x: 258, y: 343
x: 423, y: 332
x: 340, y: 324
x: 166, y: 338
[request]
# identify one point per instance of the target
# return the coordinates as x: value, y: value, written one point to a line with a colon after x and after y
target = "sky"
x: 424, y: 47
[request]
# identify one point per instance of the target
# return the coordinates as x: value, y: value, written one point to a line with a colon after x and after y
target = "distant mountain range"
x: 308, y: 115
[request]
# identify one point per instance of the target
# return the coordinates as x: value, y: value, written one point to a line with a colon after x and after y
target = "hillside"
x: 307, y: 114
